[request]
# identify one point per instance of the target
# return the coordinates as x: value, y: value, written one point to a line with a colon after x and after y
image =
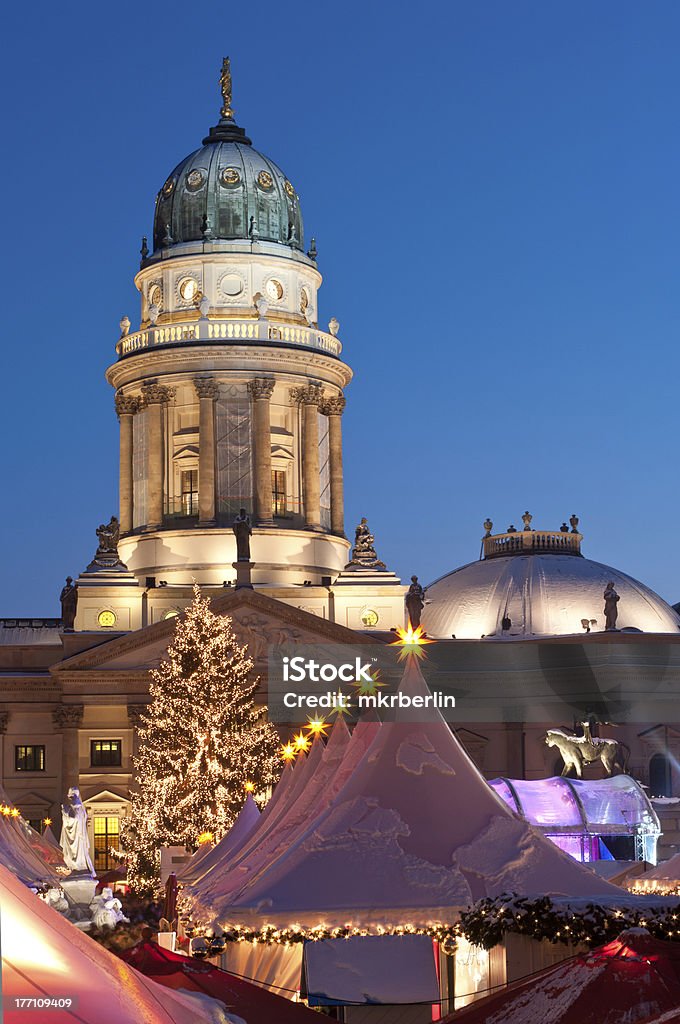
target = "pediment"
x: 105, y: 796
x: 258, y: 621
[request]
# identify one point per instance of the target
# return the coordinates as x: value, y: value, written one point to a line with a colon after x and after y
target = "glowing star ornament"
x: 249, y: 787
x: 317, y: 727
x: 368, y: 687
x: 287, y: 752
x: 47, y: 822
x: 205, y: 837
x: 302, y: 743
x: 412, y: 641
x: 342, y: 704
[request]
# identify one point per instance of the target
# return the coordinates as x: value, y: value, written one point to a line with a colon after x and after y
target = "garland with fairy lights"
x: 484, y: 925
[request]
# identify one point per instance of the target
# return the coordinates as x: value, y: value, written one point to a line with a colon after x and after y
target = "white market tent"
x: 43, y: 955
x: 207, y: 856
x: 413, y: 834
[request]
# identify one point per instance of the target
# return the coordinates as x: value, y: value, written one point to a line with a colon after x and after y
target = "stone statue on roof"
x: 363, y: 553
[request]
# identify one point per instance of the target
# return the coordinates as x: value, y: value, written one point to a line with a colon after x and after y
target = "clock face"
x: 188, y: 289
x: 106, y: 619
x: 369, y: 617
x: 155, y: 295
x: 274, y: 289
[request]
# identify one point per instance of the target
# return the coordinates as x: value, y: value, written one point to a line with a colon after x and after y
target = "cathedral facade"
x: 230, y: 398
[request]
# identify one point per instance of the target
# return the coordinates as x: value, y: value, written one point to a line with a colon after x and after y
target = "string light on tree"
x: 202, y: 738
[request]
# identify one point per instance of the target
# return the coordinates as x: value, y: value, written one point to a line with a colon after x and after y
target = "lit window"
x: 279, y: 492
x: 189, y: 489
x: 369, y: 617
x: 106, y: 619
x: 29, y: 759
x: 106, y: 838
x: 105, y: 753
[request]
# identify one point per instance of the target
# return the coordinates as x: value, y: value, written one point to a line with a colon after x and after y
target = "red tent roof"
x: 242, y: 998
x: 634, y: 979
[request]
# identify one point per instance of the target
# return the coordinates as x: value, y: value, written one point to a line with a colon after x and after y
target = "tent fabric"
x: 377, y: 969
x: 414, y: 833
x: 301, y: 805
x: 45, y: 955
x: 666, y: 871
x: 632, y: 979
x: 204, y: 859
x: 276, y: 967
x: 25, y: 856
x: 254, y: 1004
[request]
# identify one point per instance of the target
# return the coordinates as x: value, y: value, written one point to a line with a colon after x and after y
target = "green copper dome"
x: 227, y: 190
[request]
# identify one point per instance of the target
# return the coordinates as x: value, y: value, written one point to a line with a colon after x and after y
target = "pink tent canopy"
x: 45, y: 956
x: 414, y: 833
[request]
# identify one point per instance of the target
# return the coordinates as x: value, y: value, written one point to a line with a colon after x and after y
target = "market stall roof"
x: 415, y: 833
x: 617, y: 804
x: 242, y: 998
x: 44, y: 955
x: 206, y: 857
x: 667, y: 871
x: 631, y: 979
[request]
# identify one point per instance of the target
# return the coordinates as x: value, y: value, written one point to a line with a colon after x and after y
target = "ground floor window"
x: 106, y: 838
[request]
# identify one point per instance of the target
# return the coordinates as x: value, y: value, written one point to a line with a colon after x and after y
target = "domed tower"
x: 229, y: 395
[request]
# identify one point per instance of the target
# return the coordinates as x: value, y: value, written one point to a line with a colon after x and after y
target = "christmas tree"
x: 203, y: 743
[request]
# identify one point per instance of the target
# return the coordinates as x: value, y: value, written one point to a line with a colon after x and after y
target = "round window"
x: 274, y: 290
x: 369, y: 617
x: 231, y: 285
x: 171, y: 613
x: 304, y: 300
x: 106, y: 619
x: 155, y: 295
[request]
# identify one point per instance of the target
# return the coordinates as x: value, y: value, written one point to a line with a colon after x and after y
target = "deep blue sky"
x: 494, y: 191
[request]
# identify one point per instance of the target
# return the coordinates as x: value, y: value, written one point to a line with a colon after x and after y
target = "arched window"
x: 660, y: 776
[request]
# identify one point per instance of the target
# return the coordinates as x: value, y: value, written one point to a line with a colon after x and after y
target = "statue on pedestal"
x: 75, y: 844
x: 106, y: 557
x: 415, y: 601
x: 611, y: 612
x: 69, y: 604
x: 242, y: 531
x: 363, y: 553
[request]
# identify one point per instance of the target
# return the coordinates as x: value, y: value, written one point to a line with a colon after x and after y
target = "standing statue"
x: 74, y: 841
x: 363, y: 553
x: 415, y: 601
x: 242, y: 531
x: 69, y: 604
x: 225, y: 89
x: 611, y: 600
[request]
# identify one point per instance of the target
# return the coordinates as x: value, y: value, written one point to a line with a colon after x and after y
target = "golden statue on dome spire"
x: 225, y: 86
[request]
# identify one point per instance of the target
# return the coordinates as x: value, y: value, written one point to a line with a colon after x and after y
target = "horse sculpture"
x: 579, y: 750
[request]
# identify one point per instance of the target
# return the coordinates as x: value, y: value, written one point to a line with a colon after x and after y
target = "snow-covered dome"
x: 537, y: 583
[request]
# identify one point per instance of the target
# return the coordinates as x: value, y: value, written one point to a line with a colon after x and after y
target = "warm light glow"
x: 28, y: 943
x: 47, y: 822
x: 205, y: 837
x: 249, y: 787
x: 370, y: 687
x: 412, y: 640
x: 302, y: 743
x: 287, y: 752
x: 317, y: 726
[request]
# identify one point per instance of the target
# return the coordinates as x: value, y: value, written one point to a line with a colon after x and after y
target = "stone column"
x: 261, y: 390
x: 68, y: 718
x: 310, y: 398
x: 126, y: 407
x: 334, y: 408
x: 155, y: 396
x: 207, y: 390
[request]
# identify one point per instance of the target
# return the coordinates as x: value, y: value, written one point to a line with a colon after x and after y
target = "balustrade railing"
x: 526, y: 542
x: 227, y: 330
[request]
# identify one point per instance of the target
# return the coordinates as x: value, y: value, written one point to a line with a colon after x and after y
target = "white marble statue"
x: 55, y: 898
x: 75, y: 844
x: 107, y: 910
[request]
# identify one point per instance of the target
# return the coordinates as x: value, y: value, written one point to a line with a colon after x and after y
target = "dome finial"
x: 226, y: 113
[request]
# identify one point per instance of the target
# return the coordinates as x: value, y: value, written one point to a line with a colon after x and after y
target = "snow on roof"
x: 414, y: 832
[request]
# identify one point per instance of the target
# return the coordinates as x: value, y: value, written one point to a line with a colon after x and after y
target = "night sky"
x: 494, y: 192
